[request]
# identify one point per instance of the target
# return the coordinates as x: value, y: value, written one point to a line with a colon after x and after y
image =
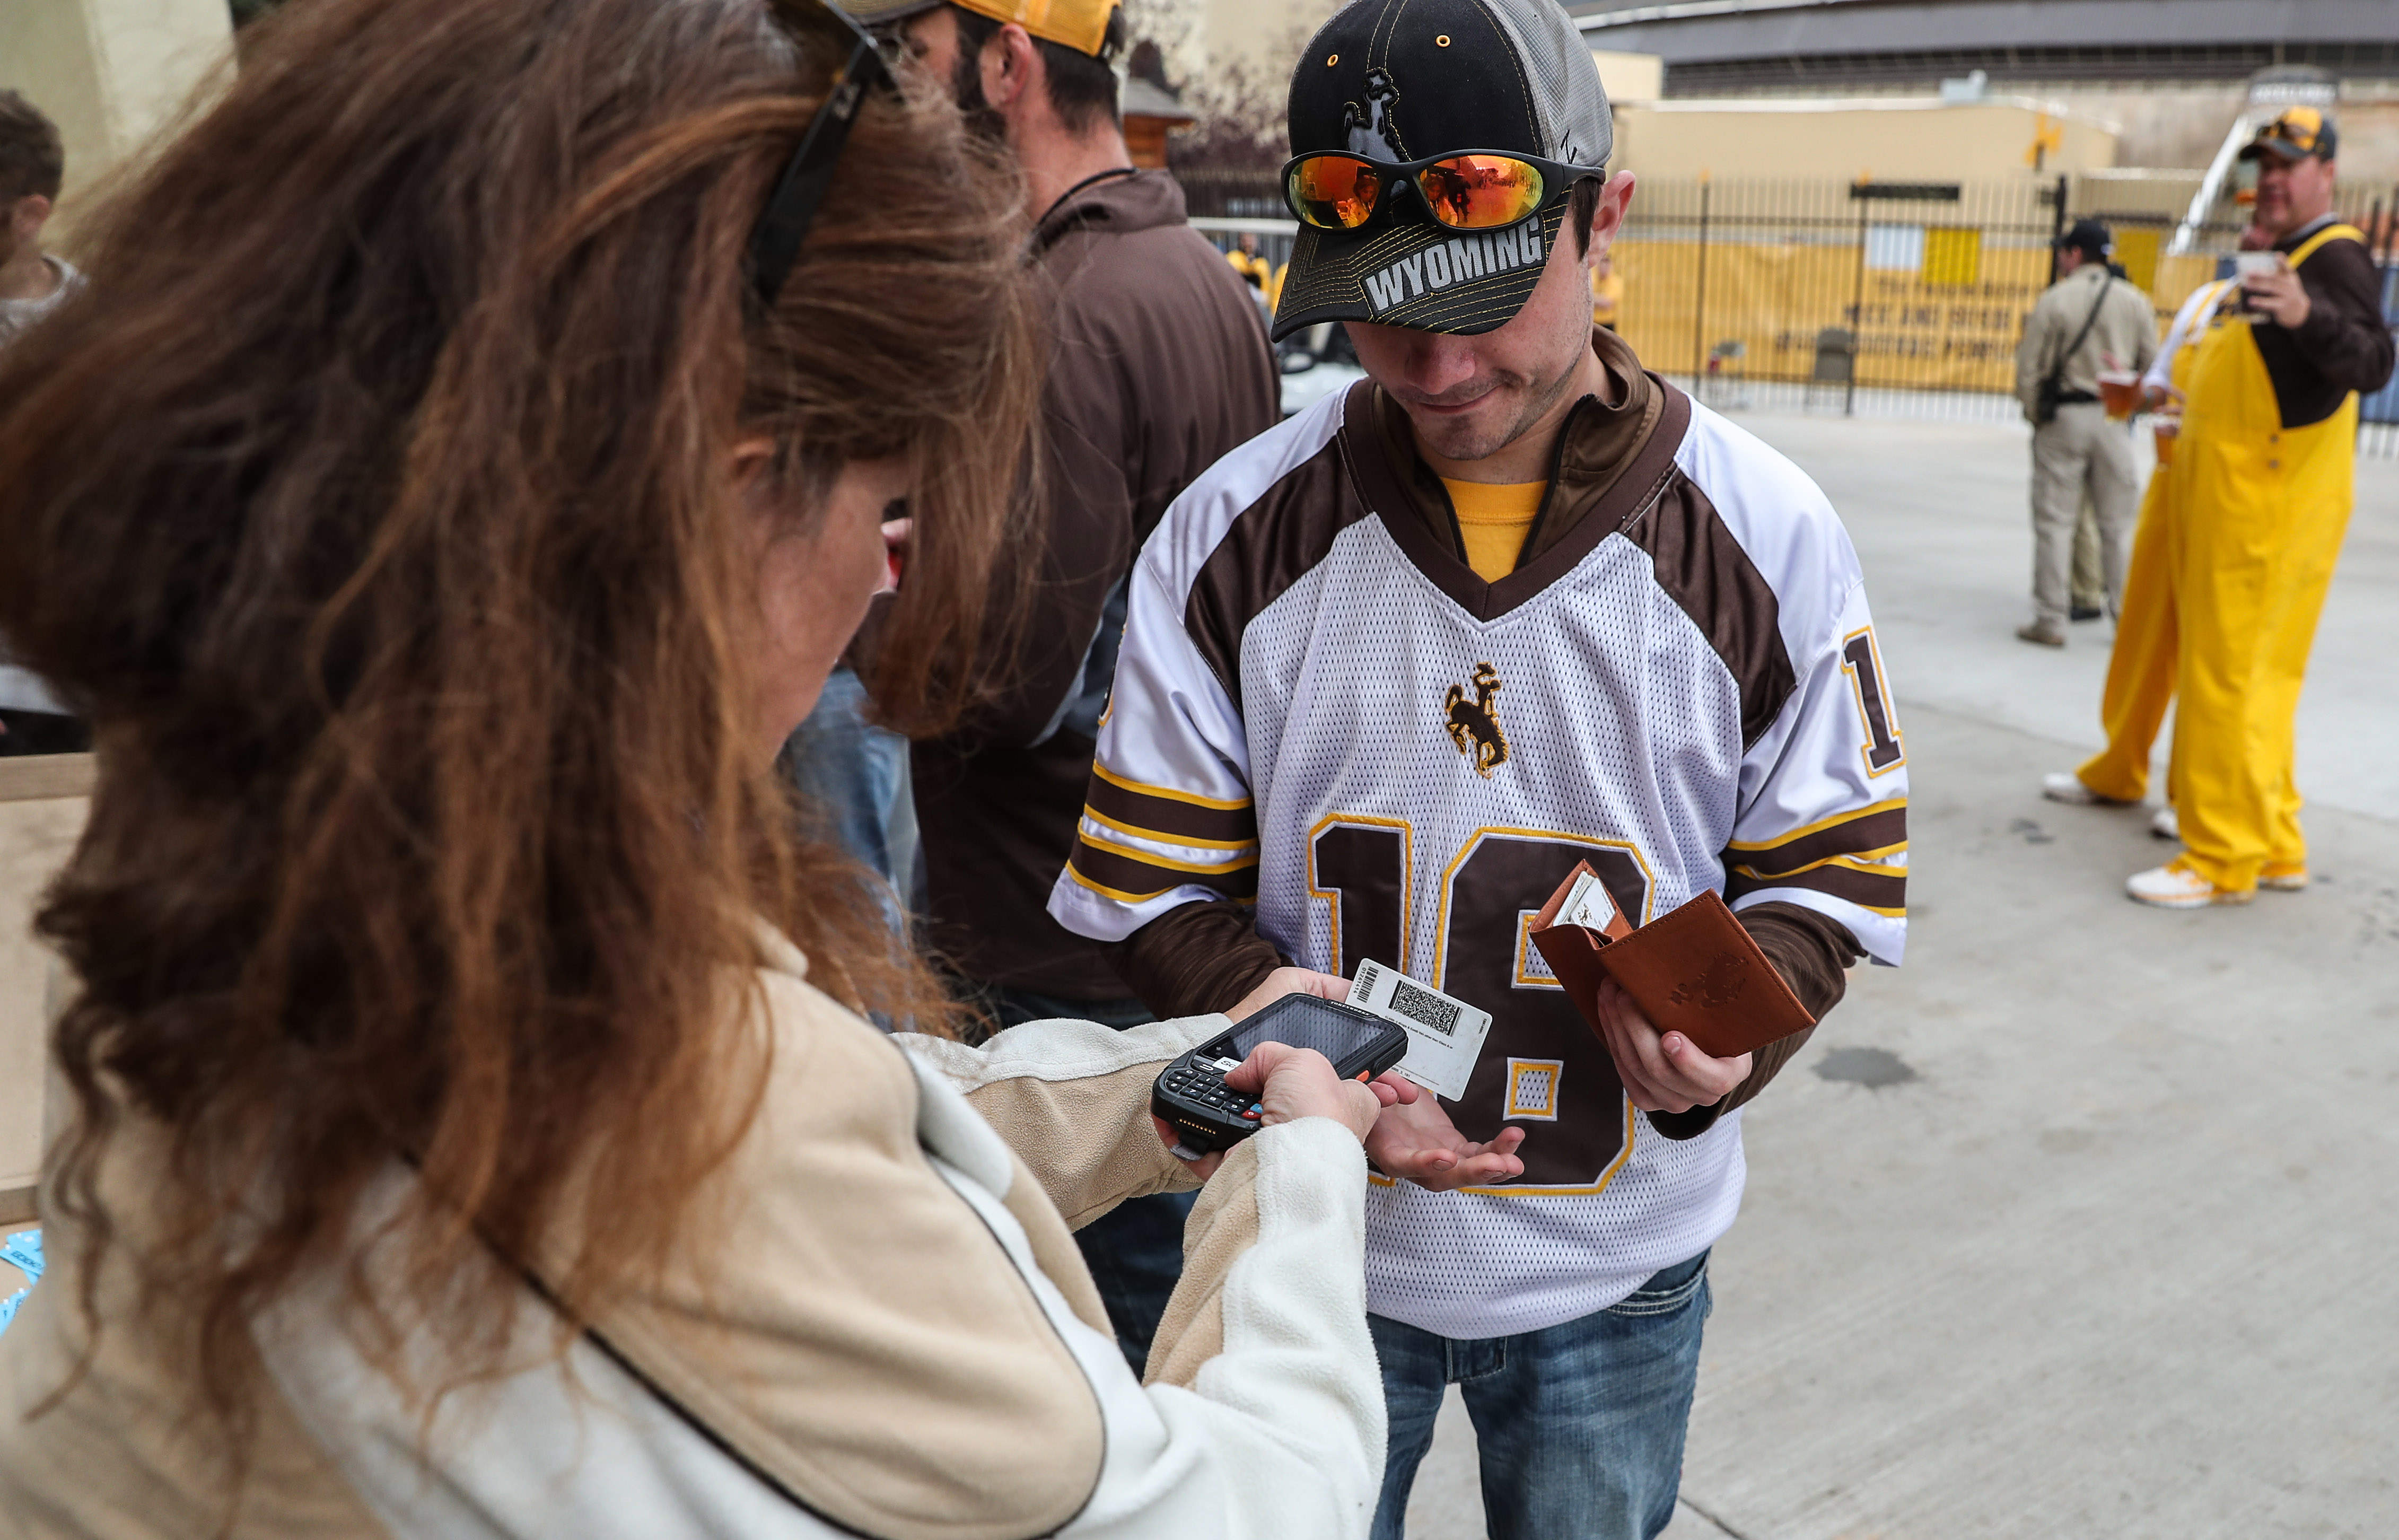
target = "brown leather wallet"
x: 1694, y: 971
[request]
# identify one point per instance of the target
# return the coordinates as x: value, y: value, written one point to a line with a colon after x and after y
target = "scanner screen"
x: 1305, y: 1021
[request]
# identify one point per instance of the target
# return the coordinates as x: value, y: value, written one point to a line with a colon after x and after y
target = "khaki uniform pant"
x: 2080, y: 453
x: 2089, y: 581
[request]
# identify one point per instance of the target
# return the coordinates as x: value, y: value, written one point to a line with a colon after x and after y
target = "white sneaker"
x: 2283, y: 876
x: 2176, y: 886
x: 2066, y: 787
x: 2165, y: 824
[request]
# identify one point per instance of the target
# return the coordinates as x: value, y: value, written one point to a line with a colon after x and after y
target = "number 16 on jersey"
x: 1444, y: 1033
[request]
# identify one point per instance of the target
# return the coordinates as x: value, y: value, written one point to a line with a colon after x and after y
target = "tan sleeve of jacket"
x: 854, y: 1330
x: 1071, y: 1099
x: 1224, y: 1223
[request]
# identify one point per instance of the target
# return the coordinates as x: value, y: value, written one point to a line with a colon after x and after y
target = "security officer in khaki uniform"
x: 2263, y: 476
x: 2087, y: 322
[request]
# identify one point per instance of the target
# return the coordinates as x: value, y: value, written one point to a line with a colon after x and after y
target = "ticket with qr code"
x: 1444, y: 1033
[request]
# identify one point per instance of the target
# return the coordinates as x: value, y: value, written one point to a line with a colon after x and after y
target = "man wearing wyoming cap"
x: 1392, y: 668
x: 1159, y: 364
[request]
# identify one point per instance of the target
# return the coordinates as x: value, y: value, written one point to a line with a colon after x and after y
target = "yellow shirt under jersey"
x: 1494, y: 519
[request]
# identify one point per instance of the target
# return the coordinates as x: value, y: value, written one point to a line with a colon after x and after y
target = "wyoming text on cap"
x: 1398, y: 81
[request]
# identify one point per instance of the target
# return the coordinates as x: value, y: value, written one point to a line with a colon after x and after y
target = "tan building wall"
x: 1884, y: 139
x: 41, y: 811
x: 110, y: 73
x: 1630, y: 76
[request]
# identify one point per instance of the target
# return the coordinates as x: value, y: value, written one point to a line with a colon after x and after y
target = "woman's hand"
x: 1290, y: 980
x: 1293, y: 1083
x: 1661, y: 1075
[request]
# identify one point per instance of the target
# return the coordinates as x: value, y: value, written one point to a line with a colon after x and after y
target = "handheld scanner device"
x: 1191, y: 1095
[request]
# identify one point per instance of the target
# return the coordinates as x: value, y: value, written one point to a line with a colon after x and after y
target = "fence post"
x: 2056, y: 225
x: 1857, y: 319
x: 1699, y: 302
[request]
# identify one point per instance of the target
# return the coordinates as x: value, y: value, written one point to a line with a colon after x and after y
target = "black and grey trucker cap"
x: 1401, y: 80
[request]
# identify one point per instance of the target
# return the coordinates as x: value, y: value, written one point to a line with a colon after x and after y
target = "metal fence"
x: 1887, y: 299
x: 1900, y: 299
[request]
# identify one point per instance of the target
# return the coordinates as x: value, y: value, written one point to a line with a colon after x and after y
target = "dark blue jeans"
x: 1578, y: 1426
x: 855, y: 777
x: 1135, y: 1249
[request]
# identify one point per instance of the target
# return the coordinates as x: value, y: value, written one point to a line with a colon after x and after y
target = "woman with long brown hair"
x: 463, y: 470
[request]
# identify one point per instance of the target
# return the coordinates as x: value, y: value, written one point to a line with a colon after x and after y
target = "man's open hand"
x: 1416, y: 1141
x: 1661, y: 1075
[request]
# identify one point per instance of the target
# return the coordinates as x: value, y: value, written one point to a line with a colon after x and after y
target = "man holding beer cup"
x: 2260, y: 498
x: 2090, y: 331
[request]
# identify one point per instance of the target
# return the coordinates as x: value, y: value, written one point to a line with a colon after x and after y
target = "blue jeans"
x: 855, y: 777
x: 1135, y: 1249
x: 1578, y: 1426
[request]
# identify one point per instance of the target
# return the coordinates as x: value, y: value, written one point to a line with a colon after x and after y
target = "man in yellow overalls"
x: 2141, y: 667
x: 2262, y: 484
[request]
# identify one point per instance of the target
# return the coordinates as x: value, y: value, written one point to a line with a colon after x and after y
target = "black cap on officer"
x: 2090, y: 238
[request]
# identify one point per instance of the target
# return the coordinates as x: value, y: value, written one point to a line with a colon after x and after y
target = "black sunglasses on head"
x: 775, y: 239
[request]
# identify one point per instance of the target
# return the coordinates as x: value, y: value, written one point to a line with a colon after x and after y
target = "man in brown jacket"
x: 1160, y: 365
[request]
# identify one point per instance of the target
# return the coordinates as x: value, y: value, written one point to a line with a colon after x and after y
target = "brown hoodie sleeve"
x: 1813, y: 953
x: 1195, y: 959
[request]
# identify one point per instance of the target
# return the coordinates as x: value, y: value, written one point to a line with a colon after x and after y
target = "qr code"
x: 1431, y: 1009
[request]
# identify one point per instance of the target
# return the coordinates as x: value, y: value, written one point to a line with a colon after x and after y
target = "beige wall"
x: 1630, y: 76
x: 41, y: 811
x: 110, y: 73
x: 1889, y: 139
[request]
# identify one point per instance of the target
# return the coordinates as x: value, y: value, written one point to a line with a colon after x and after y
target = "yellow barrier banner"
x: 1927, y: 307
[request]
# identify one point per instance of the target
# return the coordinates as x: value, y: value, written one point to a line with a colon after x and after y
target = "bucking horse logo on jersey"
x: 1473, y: 721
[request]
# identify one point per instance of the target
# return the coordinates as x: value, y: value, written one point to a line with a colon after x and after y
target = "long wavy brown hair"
x: 377, y: 501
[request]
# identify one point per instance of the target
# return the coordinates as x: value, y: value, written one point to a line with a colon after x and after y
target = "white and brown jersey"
x: 1321, y: 710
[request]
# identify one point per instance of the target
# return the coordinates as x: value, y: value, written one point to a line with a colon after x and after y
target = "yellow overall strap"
x: 2331, y: 232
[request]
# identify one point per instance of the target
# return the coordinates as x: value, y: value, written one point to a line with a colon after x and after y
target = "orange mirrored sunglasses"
x: 1465, y: 190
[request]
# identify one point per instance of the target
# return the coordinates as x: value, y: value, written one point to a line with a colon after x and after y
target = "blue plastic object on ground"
x: 25, y: 1251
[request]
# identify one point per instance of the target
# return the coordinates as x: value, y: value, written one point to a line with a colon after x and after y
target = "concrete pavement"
x: 2120, y: 1259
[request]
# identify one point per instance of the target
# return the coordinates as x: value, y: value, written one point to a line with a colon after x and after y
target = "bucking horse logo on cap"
x: 1369, y: 126
x: 1473, y: 721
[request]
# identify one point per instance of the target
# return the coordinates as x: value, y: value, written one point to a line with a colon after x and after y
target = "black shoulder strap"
x: 2057, y: 372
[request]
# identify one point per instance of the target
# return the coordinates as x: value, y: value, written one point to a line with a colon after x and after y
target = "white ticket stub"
x: 1444, y: 1033
x: 1588, y: 904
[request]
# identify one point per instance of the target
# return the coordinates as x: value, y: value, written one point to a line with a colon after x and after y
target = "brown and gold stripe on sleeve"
x: 1172, y: 818
x: 1124, y: 868
x: 1844, y: 856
